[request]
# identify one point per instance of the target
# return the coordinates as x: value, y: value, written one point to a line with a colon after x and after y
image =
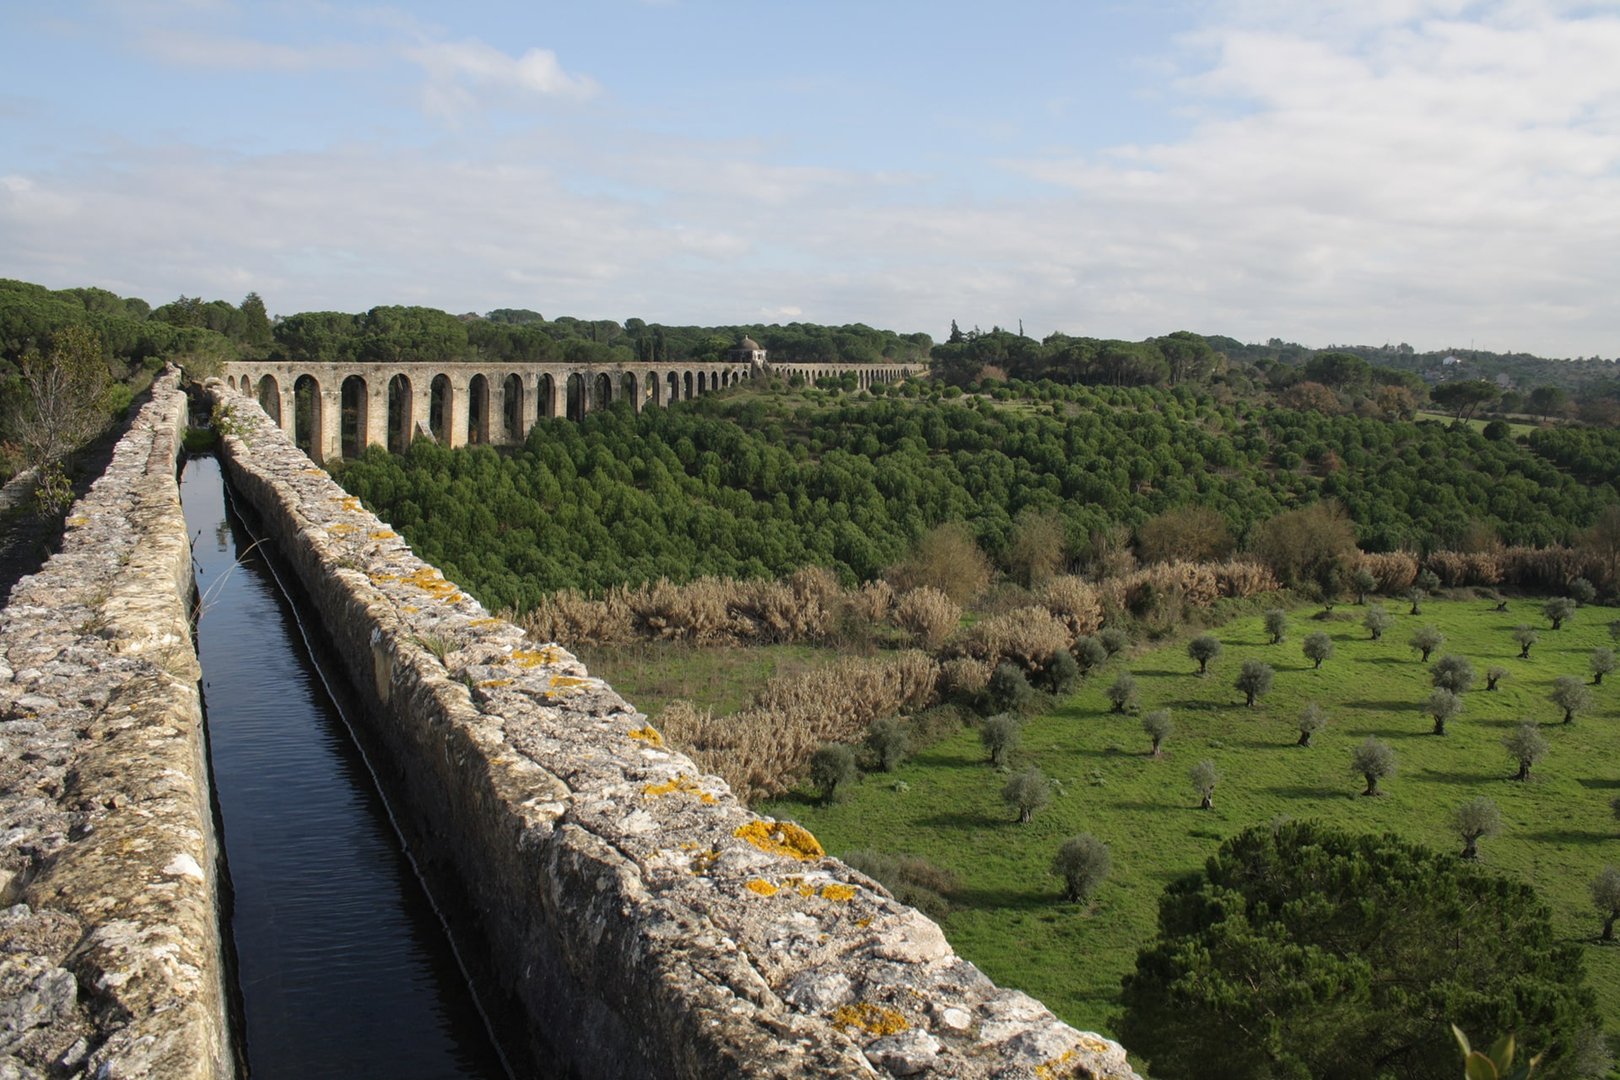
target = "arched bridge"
x: 337, y: 410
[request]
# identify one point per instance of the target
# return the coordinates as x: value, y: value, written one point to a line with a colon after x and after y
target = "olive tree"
x: 1123, y: 692
x: 1374, y: 760
x: 1083, y: 863
x: 1090, y: 654
x: 1559, y: 610
x: 1254, y: 681
x: 1527, y: 745
x: 889, y: 742
x: 832, y: 769
x: 1114, y: 640
x: 1204, y: 778
x: 1377, y: 620
x: 1443, y: 705
x: 1493, y: 675
x: 1158, y: 726
x: 1475, y: 819
x: 1027, y: 792
x: 1606, y: 897
x: 1571, y: 695
x: 1425, y: 640
x: 1317, y: 647
x: 1311, y: 720
x: 1526, y: 635
x: 1363, y: 582
x: 1602, y: 664
x: 1204, y: 648
x: 1000, y: 737
x: 1454, y: 673
x: 1276, y: 625
x: 1416, y: 596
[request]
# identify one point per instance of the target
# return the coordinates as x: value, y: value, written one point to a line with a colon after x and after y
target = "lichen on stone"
x: 781, y: 838
x: 680, y: 783
x: 761, y: 886
x: 648, y: 735
x: 872, y: 1019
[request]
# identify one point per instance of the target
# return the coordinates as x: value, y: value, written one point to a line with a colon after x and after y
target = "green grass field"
x: 1558, y: 829
x: 650, y: 675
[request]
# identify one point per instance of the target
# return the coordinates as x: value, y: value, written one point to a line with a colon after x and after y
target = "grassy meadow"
x: 945, y: 805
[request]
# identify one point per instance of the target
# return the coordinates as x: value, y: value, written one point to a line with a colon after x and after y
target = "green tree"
x: 889, y: 742
x: 1083, y: 863
x: 1204, y: 648
x: 1311, y: 720
x: 1549, y: 401
x: 1606, y: 897
x: 1454, y: 673
x: 1027, y: 792
x: 832, y: 769
x: 1425, y: 640
x: 1363, y: 582
x: 1000, y: 735
x: 1526, y: 636
x: 1009, y: 689
x: 1276, y: 625
x: 1159, y: 727
x: 1493, y: 675
x: 1475, y: 819
x: 1338, y: 957
x: 1571, y: 695
x: 1527, y: 745
x: 1465, y: 397
x: 1559, y: 610
x: 1254, y: 681
x: 1602, y: 664
x: 256, y: 321
x: 1373, y: 760
x: 1443, y: 705
x: 1377, y: 620
x: 1317, y: 647
x: 1204, y: 778
x: 1123, y: 693
x: 63, y: 404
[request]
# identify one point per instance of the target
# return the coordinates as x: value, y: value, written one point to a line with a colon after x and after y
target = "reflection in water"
x: 344, y: 968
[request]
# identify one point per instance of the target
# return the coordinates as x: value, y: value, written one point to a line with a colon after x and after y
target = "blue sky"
x: 1442, y: 172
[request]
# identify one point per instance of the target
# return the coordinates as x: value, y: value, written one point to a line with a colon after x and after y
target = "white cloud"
x: 460, y: 71
x: 226, y: 53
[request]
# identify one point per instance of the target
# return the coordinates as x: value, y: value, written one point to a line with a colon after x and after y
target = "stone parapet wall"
x: 110, y: 955
x: 645, y: 921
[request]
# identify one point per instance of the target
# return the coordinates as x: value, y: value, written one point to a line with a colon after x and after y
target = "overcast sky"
x: 1439, y: 172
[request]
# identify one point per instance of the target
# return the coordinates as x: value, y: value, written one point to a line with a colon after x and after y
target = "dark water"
x: 344, y: 967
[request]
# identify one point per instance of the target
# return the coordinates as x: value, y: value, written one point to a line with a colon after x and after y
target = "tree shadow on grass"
x: 1426, y: 732
x: 1435, y: 776
x: 1004, y: 899
x: 1571, y: 836
x: 1599, y: 782
x: 1106, y: 752
x: 1305, y: 791
x: 1163, y: 673
x: 1383, y: 706
x: 967, y: 819
x: 1391, y: 661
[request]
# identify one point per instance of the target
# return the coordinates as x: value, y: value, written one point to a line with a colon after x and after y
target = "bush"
x: 964, y: 678
x: 889, y: 742
x: 1062, y: 673
x: 1311, y: 720
x: 1317, y: 647
x: 928, y: 615
x: 1582, y: 591
x: 1027, y: 792
x: 1204, y: 648
x: 1009, y: 690
x: 1395, y: 571
x: 1123, y: 692
x: 1315, y: 544
x: 947, y: 559
x: 1000, y: 736
x: 1114, y: 640
x: 1090, y: 654
x: 832, y: 769
x: 1083, y: 863
x: 1074, y: 601
x: 1159, y: 727
x: 912, y: 879
x: 1343, y: 949
x: 1254, y: 681
x: 1428, y: 580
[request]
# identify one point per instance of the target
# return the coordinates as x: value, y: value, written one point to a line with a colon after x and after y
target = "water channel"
x: 343, y: 964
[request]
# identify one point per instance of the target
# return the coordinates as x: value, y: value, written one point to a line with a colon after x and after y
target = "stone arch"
x: 270, y: 399
x: 307, y: 434
x: 703, y: 382
x: 629, y: 389
x: 441, y: 407
x: 478, y: 410
x: 689, y: 378
x: 545, y: 405
x: 401, y: 414
x: 578, y: 392
x: 602, y: 391
x: 714, y: 381
x: 353, y: 399
x: 512, y: 418
x: 672, y: 390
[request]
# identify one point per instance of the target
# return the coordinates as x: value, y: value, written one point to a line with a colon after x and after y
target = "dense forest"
x: 755, y: 483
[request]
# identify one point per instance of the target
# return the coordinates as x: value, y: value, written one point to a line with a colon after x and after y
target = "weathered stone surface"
x: 646, y: 920
x: 110, y: 959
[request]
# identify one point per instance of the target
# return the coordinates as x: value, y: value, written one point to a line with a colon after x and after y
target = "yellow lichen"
x: 703, y: 860
x: 1047, y: 1070
x: 568, y: 682
x: 351, y: 504
x: 864, y: 923
x: 342, y: 528
x: 870, y: 1018
x: 648, y: 735
x: 761, y: 886
x: 493, y: 683
x: 781, y: 838
x: 384, y: 534
x: 410, y: 609
x: 840, y: 893
x: 681, y: 783
x: 477, y: 624
x: 380, y: 578
x: 430, y: 581
x: 78, y: 521
x: 529, y: 658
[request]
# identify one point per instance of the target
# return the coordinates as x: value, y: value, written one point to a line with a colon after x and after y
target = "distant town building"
x: 1448, y: 361
x: 748, y: 351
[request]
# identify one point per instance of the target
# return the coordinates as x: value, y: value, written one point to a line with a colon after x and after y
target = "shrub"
x: 1606, y: 897
x: 1338, y: 947
x: 1009, y: 690
x: 928, y: 615
x: 1395, y: 571
x: 1311, y: 720
x: 1026, y: 636
x: 1473, y: 820
x: 1062, y: 673
x: 1123, y: 692
x: 1000, y: 735
x: 1558, y: 610
x: 1276, y: 625
x: 1443, y: 705
x: 912, y: 879
x: 1425, y: 640
x: 945, y: 558
x: 889, y: 742
x: 1454, y: 673
x: 1083, y: 863
x: 1204, y: 779
x: 1191, y: 533
x: 1074, y: 601
x: 1254, y: 681
x: 832, y: 769
x: 874, y: 601
x: 1090, y: 654
x: 1373, y: 760
x: 1428, y: 580
x: 1493, y: 675
x: 1317, y: 647
x: 1377, y: 620
x: 1159, y: 727
x: 1027, y: 792
x: 1114, y: 640
x: 1602, y: 663
x: 1582, y: 591
x: 1527, y: 745
x: 1204, y: 648
x: 1571, y: 695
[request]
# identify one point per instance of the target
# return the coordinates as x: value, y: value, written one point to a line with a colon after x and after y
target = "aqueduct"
x: 337, y: 410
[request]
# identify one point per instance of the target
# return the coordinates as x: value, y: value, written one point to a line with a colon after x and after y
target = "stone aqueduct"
x: 337, y: 410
